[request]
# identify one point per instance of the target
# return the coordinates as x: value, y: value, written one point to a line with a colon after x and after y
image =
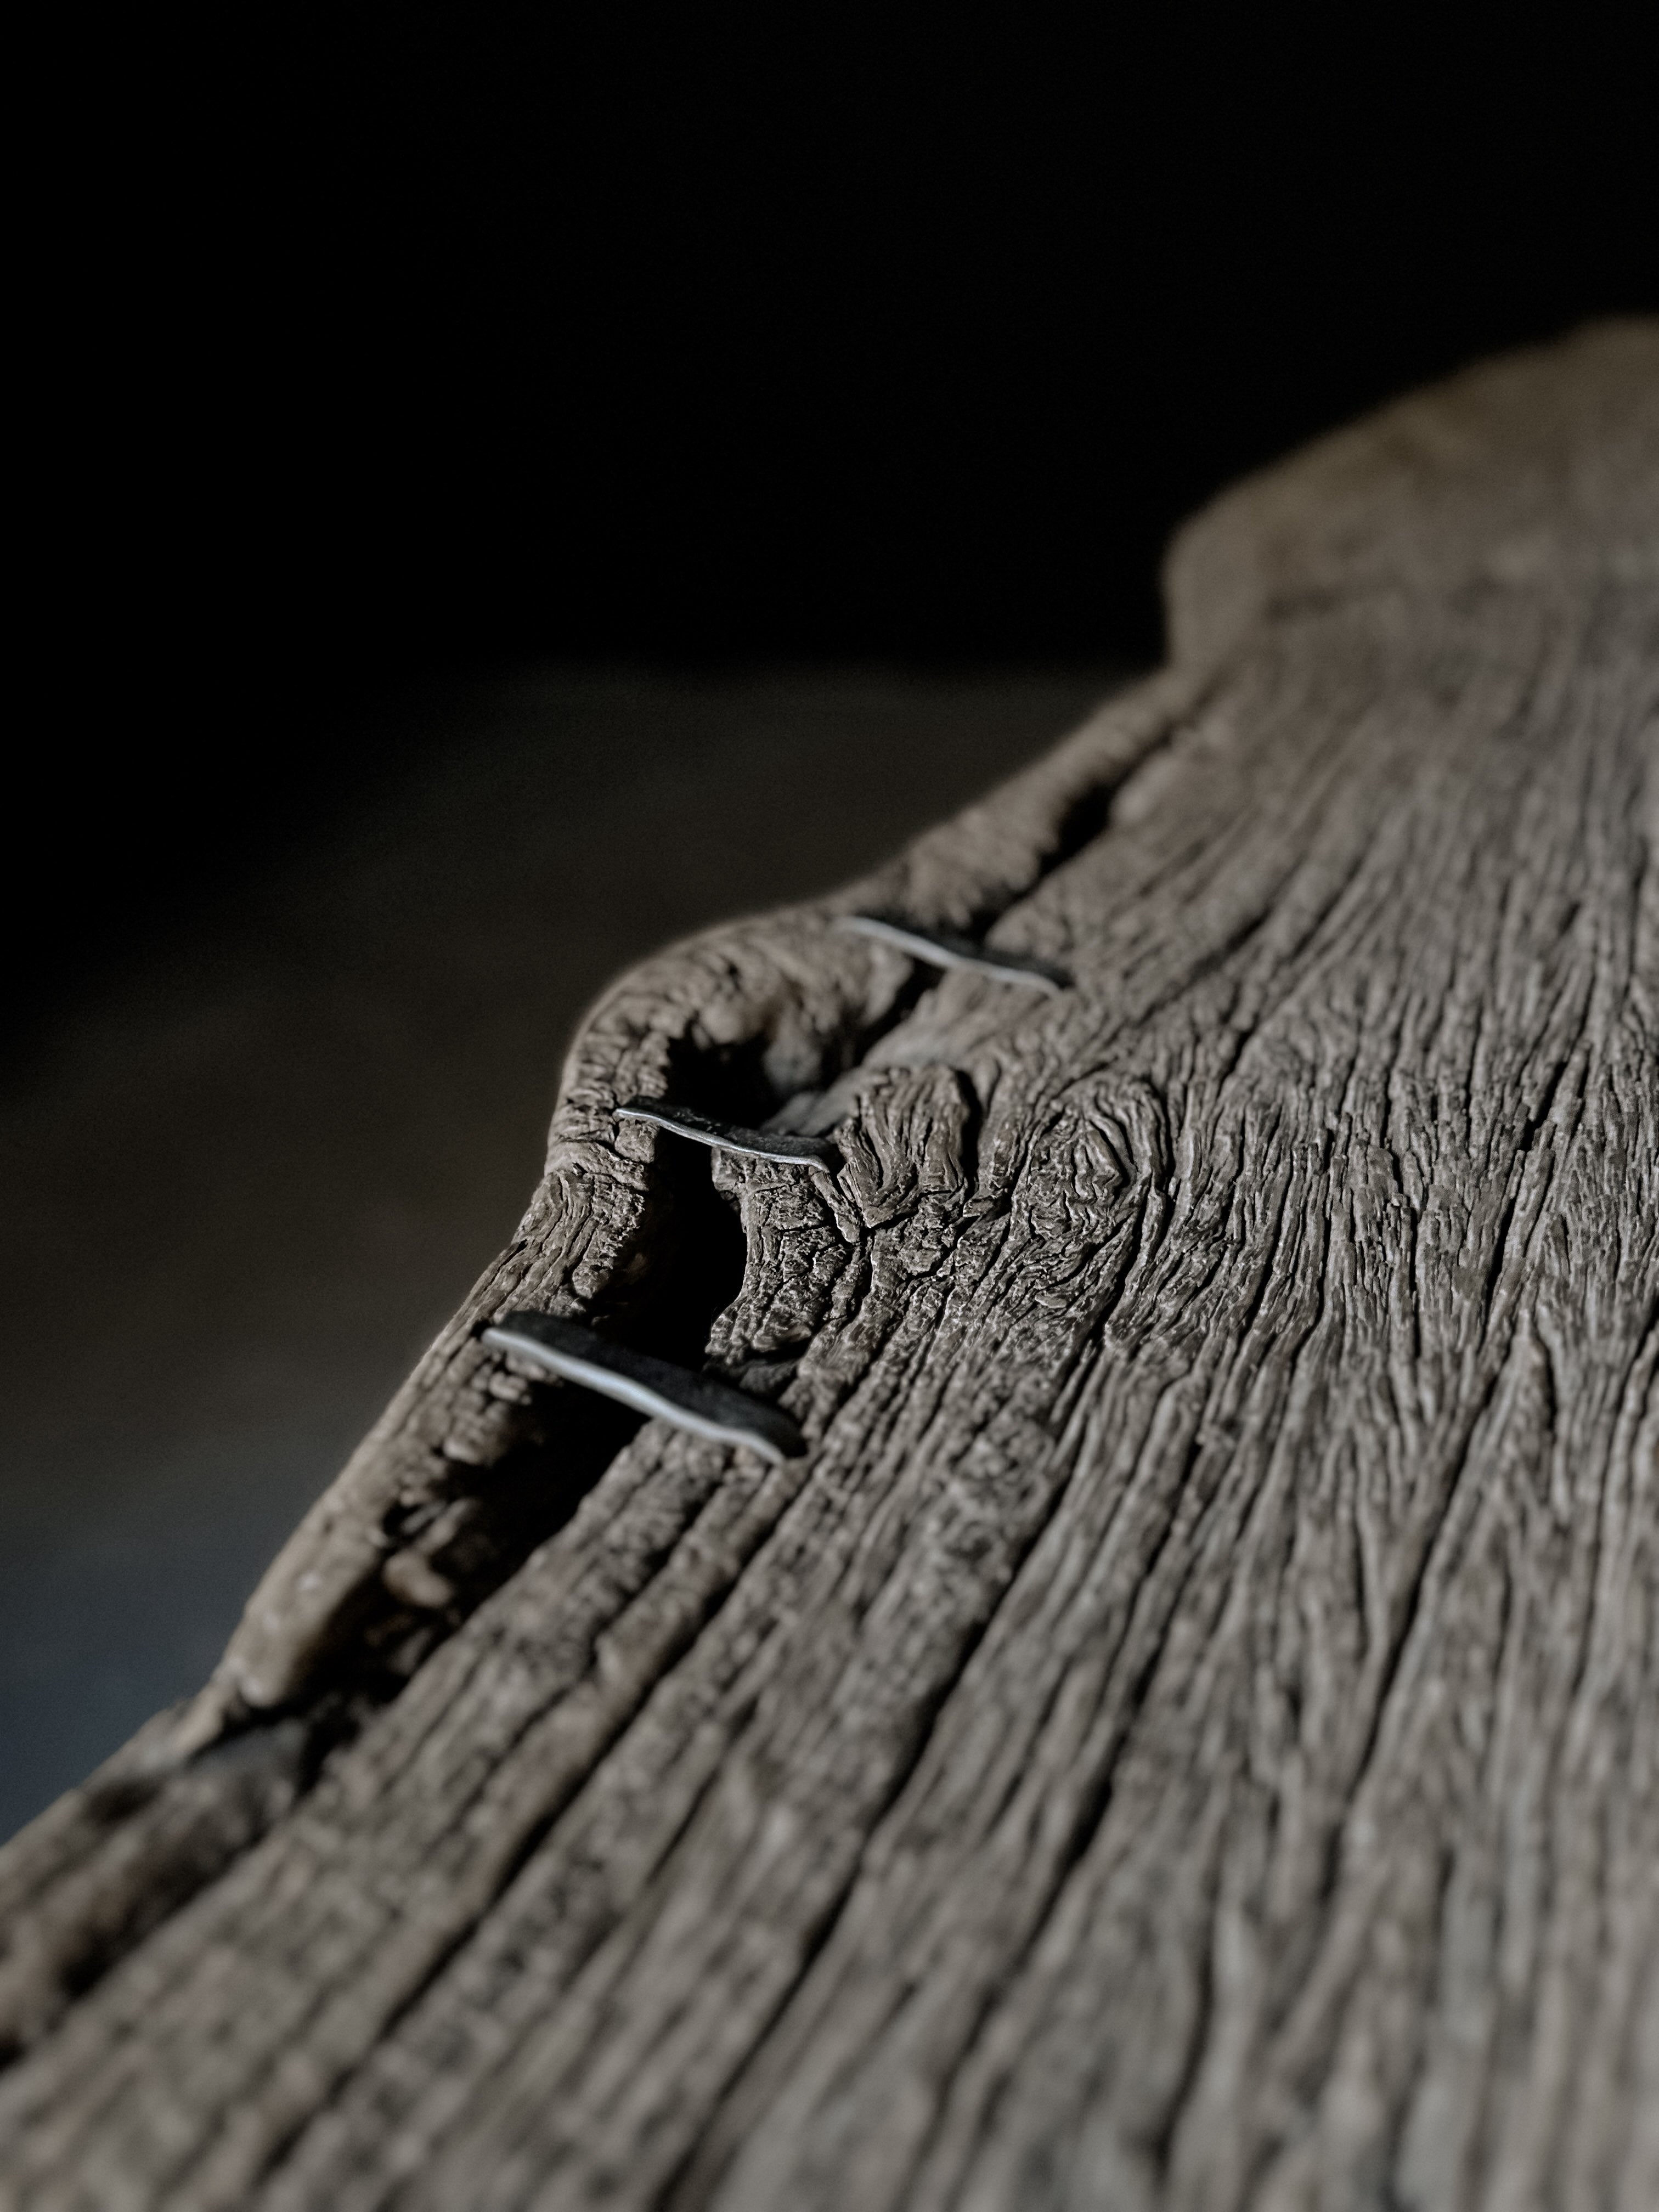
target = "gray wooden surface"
x: 1184, y: 1736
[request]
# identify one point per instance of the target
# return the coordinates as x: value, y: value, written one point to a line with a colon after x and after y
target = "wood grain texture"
x: 1185, y: 1735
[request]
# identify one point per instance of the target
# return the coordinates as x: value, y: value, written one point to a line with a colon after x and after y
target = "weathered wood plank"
x: 1184, y: 1735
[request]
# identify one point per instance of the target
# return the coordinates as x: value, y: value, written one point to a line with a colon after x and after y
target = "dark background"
x: 517, y: 485
x: 397, y: 340
x: 718, y: 331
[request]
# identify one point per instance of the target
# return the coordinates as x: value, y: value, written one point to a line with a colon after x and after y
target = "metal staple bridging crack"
x: 942, y: 949
x: 697, y: 1403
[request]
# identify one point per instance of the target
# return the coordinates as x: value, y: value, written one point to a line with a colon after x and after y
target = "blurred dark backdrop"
x: 516, y: 483
x: 397, y: 337
x: 814, y: 331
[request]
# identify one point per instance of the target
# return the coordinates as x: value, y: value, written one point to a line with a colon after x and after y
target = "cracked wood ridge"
x: 1184, y: 1733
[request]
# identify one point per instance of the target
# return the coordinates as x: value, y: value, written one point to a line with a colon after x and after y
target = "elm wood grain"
x: 1184, y: 1735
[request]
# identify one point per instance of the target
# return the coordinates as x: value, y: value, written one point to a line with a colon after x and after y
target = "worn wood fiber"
x: 1187, y: 1733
